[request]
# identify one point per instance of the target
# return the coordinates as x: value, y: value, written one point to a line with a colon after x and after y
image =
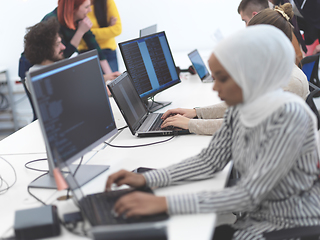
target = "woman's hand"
x: 189, y: 113
x: 113, y: 21
x: 111, y: 76
x: 84, y: 25
x: 125, y: 177
x: 176, y: 121
x: 140, y: 203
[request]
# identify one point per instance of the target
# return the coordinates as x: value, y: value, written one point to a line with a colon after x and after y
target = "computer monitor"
x: 151, y: 66
x: 148, y: 30
x: 74, y: 113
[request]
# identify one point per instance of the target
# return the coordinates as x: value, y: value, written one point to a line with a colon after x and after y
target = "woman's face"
x: 82, y: 11
x: 228, y: 90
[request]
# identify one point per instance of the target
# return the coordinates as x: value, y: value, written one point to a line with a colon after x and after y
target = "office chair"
x: 303, y: 233
x: 23, y: 81
x: 24, y: 66
x: 309, y: 66
x: 315, y: 91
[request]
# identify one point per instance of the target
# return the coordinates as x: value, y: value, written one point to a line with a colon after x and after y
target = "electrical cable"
x: 28, y: 189
x: 120, y: 129
x: 3, y: 191
x: 74, y: 174
x: 4, y: 102
x: 35, y: 169
x: 20, y: 100
x: 141, y: 145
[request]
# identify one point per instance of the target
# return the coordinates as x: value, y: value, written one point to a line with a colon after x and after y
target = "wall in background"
x: 188, y: 25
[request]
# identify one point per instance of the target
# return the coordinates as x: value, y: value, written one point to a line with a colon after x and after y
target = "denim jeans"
x: 111, y: 57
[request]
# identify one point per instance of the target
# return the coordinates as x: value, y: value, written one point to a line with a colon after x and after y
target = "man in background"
x: 248, y: 8
x: 43, y: 46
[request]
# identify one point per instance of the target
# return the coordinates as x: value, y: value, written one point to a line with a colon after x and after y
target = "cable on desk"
x: 72, y: 227
x: 3, y: 191
x: 28, y: 188
x: 74, y: 174
x: 120, y: 129
x: 141, y: 145
x: 35, y: 169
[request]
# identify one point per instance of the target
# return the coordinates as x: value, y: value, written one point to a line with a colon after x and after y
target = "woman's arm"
x: 110, y: 31
x: 83, y: 26
x: 204, y: 126
x: 212, y: 112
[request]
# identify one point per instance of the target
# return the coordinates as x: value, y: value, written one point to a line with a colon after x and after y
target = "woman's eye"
x: 223, y: 79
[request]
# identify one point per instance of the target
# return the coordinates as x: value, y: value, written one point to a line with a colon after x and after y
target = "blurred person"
x: 106, y: 25
x: 249, y: 8
x: 75, y: 26
x: 43, y: 46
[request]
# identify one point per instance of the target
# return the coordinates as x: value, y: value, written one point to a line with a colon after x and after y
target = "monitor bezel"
x: 56, y: 65
x: 148, y: 30
x: 153, y: 93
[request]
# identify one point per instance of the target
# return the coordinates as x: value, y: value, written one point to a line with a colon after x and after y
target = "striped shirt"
x: 277, y: 162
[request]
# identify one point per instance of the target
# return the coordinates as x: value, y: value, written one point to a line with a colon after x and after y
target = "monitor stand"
x: 153, y: 106
x: 84, y: 174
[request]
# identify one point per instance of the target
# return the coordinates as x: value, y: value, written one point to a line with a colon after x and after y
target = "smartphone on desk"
x: 142, y: 169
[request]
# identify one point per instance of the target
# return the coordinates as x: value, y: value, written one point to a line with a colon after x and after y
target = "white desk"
x: 27, y: 144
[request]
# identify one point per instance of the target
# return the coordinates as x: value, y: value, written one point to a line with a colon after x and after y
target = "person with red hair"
x: 74, y: 26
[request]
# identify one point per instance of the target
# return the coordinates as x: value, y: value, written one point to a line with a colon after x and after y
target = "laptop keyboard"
x: 157, y: 125
x: 100, y: 208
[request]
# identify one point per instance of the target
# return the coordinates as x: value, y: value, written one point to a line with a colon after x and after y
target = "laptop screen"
x: 198, y: 64
x: 128, y: 100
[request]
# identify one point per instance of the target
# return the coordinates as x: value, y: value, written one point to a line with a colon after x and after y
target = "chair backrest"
x: 311, y: 103
x: 310, y: 67
x: 23, y: 80
x: 24, y: 66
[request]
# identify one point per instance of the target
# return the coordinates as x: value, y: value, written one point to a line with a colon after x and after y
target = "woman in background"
x: 75, y: 26
x: 106, y: 25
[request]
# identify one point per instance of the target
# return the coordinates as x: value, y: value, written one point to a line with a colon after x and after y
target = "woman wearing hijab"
x: 269, y: 134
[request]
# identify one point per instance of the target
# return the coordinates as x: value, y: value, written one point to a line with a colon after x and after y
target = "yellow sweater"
x: 104, y: 36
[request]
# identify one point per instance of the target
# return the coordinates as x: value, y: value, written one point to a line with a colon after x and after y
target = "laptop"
x: 199, y: 66
x: 148, y: 30
x: 97, y: 210
x: 141, y: 122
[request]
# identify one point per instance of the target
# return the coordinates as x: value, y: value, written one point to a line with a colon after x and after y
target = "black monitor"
x: 151, y: 66
x: 74, y: 113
